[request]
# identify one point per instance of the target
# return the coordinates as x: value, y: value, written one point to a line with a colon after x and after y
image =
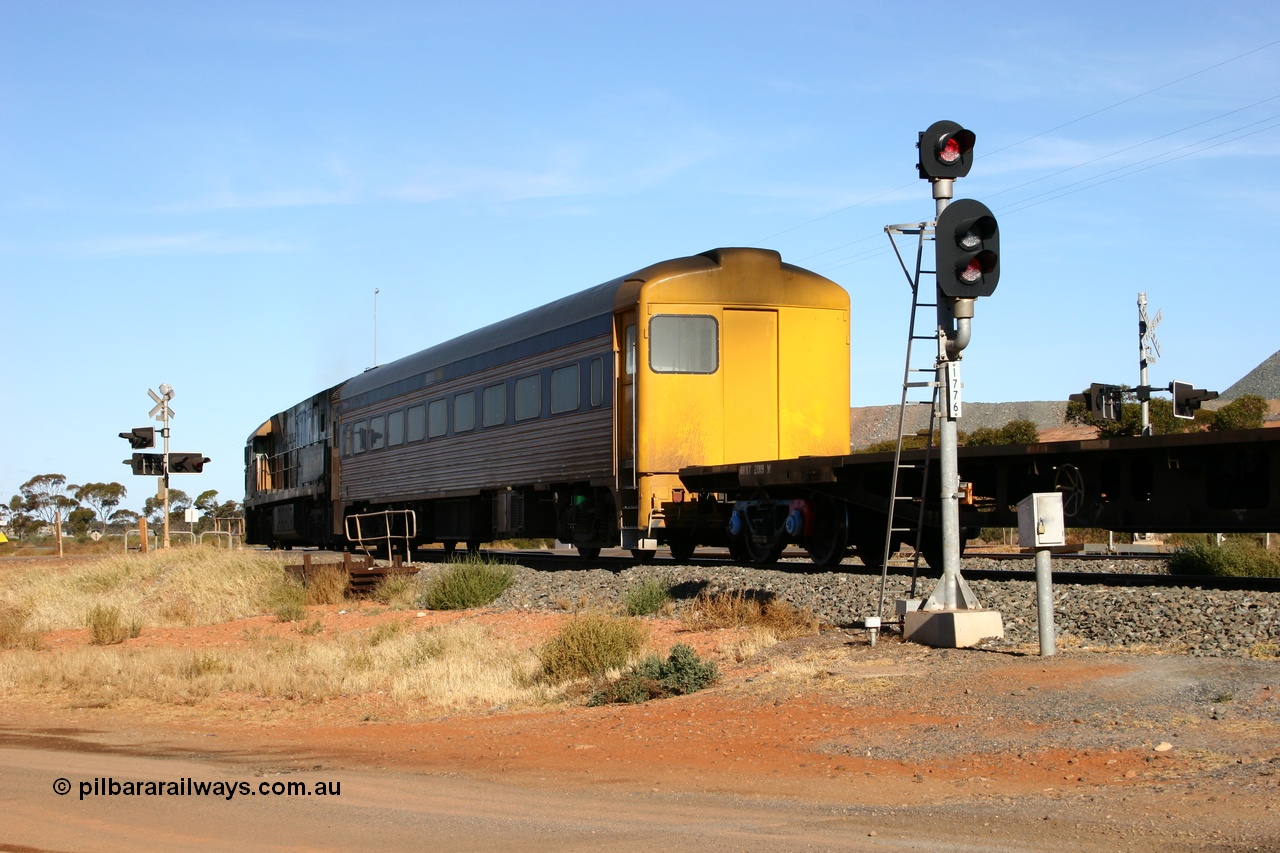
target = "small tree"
x: 122, y: 519
x: 153, y: 507
x: 45, y: 494
x: 1247, y: 411
x: 79, y: 520
x: 102, y: 497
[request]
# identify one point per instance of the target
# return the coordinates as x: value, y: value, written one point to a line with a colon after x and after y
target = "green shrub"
x: 466, y: 583
x: 591, y: 644
x: 653, y: 678
x: 288, y: 600
x: 1240, y: 559
x: 646, y: 598
x: 107, y: 627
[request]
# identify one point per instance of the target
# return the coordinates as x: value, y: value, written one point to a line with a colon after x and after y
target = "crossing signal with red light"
x: 140, y: 438
x: 967, y: 245
x: 147, y: 464
x: 1187, y: 399
x: 187, y: 463
x: 946, y: 151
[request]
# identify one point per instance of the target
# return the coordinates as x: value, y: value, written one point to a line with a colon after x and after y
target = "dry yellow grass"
x: 781, y: 619
x: 187, y: 586
x: 452, y: 666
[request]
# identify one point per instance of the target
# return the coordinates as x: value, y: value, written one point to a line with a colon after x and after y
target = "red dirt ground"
x: 892, y: 732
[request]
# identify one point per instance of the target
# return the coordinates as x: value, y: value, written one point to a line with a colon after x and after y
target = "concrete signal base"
x: 952, y: 629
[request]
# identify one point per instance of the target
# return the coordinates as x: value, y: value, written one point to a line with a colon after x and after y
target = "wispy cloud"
x: 204, y: 243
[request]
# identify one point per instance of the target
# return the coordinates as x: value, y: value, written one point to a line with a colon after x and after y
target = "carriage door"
x: 625, y: 422
x: 750, y: 368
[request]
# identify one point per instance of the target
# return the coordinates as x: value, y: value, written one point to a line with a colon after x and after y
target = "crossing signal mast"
x: 161, y: 465
x: 1105, y: 401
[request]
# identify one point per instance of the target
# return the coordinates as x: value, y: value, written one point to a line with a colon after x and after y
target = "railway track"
x: 796, y: 563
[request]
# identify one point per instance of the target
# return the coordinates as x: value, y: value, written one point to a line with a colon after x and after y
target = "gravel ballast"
x: 1179, y: 619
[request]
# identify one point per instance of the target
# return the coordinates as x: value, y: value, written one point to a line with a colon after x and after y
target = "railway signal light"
x: 967, y: 246
x: 140, y: 438
x: 187, y: 463
x: 147, y: 464
x: 1104, y: 401
x: 946, y: 151
x: 1187, y: 399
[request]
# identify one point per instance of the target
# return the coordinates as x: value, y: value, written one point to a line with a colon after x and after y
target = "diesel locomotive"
x: 571, y: 420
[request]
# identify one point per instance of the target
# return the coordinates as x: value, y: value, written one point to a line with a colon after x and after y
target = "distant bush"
x: 646, y: 598
x: 1237, y: 559
x: 653, y: 678
x: 1018, y: 431
x: 591, y: 644
x: 107, y: 626
x: 468, y: 582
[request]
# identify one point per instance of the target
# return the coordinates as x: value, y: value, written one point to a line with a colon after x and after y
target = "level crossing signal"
x: 946, y: 151
x: 967, y: 246
x: 1187, y: 399
x: 187, y: 463
x: 1104, y: 401
x: 140, y: 438
x: 147, y: 464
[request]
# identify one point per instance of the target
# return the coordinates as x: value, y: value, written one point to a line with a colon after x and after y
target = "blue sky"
x: 208, y: 194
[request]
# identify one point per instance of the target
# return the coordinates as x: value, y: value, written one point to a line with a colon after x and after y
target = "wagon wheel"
x: 767, y: 552
x: 588, y: 552
x: 681, y: 547
x: 1070, y: 482
x: 642, y: 555
x: 830, y: 539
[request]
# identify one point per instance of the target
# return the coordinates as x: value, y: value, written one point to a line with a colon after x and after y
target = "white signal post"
x: 163, y: 413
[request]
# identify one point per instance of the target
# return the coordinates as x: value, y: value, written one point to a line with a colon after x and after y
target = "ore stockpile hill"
x: 870, y: 424
x: 1263, y: 380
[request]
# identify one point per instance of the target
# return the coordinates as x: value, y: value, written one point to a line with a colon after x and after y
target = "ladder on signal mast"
x: 920, y: 387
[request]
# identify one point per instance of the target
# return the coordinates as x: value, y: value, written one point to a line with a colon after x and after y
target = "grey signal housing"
x: 967, y: 244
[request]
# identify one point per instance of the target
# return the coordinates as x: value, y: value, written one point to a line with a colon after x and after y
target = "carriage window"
x: 494, y: 404
x: 378, y: 433
x: 417, y: 423
x: 629, y: 344
x: 464, y: 412
x: 566, y: 389
x: 346, y: 440
x: 528, y: 397
x: 395, y: 428
x: 437, y: 418
x: 683, y: 344
x: 597, y: 381
x: 361, y: 435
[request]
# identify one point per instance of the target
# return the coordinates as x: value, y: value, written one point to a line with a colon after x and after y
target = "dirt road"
x: 822, y: 744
